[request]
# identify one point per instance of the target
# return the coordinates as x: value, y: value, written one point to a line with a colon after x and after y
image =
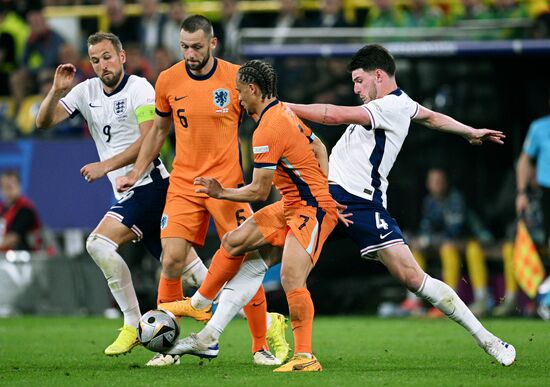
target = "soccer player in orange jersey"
x: 198, y: 95
x: 289, y: 155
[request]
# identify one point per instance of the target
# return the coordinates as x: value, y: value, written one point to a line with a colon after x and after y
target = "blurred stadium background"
x: 484, y: 62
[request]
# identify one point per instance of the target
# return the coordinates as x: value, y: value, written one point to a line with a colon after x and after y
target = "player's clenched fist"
x: 210, y: 186
x: 124, y: 183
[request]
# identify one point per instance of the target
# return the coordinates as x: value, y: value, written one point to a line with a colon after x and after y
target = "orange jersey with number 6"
x: 206, y: 113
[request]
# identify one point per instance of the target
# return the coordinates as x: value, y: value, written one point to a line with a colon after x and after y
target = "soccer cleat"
x: 300, y: 363
x: 161, y: 360
x: 184, y: 308
x: 124, y: 343
x: 264, y: 357
x: 503, y: 352
x: 191, y: 345
x: 276, y: 337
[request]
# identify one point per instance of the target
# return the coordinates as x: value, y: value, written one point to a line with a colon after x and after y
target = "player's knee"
x: 100, y: 249
x: 291, y: 280
x: 232, y: 242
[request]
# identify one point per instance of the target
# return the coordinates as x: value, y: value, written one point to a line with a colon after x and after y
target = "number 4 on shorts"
x: 380, y: 223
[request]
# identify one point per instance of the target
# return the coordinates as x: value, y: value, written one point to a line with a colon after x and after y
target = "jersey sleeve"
x: 73, y: 100
x: 144, y: 101
x: 382, y: 111
x: 268, y: 149
x: 531, y: 146
x: 162, y: 105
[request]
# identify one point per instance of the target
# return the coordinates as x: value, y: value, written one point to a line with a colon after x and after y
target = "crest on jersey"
x: 120, y: 106
x: 163, y: 221
x: 221, y: 98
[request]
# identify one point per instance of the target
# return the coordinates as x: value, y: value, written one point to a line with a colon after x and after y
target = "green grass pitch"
x: 354, y: 351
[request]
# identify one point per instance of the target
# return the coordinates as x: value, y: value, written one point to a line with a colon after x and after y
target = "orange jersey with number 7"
x: 206, y: 113
x: 282, y: 142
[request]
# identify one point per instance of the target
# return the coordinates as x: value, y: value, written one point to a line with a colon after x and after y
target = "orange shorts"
x: 310, y: 225
x: 188, y: 217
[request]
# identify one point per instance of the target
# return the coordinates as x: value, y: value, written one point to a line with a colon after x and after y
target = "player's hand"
x: 522, y: 203
x: 93, y: 171
x: 64, y: 77
x: 343, y: 217
x: 210, y: 186
x: 124, y: 183
x: 479, y: 136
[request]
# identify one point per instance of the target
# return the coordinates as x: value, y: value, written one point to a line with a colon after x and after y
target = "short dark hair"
x: 261, y: 74
x: 198, y: 22
x: 11, y: 173
x: 372, y: 57
x: 101, y: 36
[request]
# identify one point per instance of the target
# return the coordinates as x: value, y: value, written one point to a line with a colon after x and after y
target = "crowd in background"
x: 30, y: 48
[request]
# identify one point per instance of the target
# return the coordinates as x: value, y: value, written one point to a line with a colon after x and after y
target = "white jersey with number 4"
x: 114, y: 118
x: 363, y: 157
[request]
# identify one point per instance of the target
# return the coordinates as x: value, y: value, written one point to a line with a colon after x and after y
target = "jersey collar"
x: 397, y: 92
x: 205, y: 76
x: 119, y: 87
x: 273, y: 103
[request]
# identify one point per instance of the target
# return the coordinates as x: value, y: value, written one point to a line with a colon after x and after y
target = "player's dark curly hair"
x: 372, y: 57
x: 261, y: 74
x: 198, y: 22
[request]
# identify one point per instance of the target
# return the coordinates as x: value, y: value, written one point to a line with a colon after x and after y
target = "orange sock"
x: 255, y: 312
x: 169, y: 290
x: 301, y: 312
x: 223, y: 267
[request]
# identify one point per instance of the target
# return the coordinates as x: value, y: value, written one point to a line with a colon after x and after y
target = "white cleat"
x: 161, y: 360
x: 191, y: 345
x: 264, y: 357
x: 503, y: 352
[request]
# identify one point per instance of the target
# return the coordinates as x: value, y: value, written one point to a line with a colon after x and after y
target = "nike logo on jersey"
x: 93, y: 106
x: 178, y: 98
x: 382, y: 236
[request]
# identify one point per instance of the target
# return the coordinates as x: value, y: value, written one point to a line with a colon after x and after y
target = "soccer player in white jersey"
x: 358, y: 168
x: 119, y: 110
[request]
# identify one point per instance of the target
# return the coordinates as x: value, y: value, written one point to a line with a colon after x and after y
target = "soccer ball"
x: 158, y: 330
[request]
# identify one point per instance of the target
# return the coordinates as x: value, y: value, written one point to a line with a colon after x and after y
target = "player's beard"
x: 111, y: 81
x: 199, y: 66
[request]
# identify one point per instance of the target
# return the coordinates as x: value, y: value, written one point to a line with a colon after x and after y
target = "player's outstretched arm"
x: 51, y: 112
x: 257, y: 190
x: 148, y: 150
x: 328, y: 114
x: 444, y: 123
x: 97, y: 170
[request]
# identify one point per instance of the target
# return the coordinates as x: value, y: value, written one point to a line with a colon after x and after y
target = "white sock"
x: 199, y: 302
x: 267, y: 320
x: 444, y: 298
x: 235, y: 295
x: 194, y: 273
x: 114, y: 268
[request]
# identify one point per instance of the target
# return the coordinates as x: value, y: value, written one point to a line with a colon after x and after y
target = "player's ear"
x: 122, y: 56
x: 213, y: 42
